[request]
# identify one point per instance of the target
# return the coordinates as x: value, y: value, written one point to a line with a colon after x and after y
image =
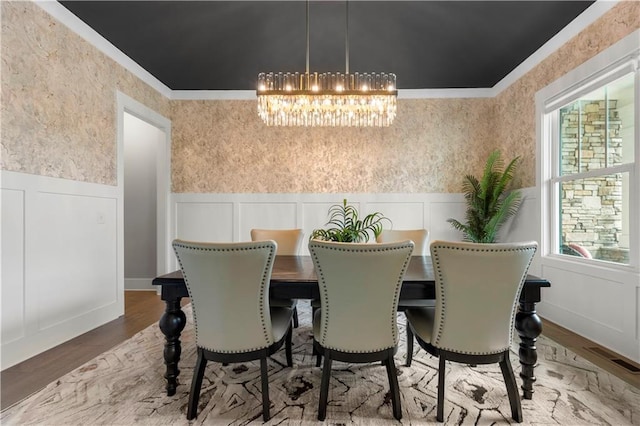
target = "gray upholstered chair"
x: 356, y: 322
x: 477, y: 292
x: 420, y: 238
x: 228, y: 285
x: 289, y: 242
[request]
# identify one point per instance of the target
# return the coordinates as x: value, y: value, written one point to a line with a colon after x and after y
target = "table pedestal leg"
x: 529, y: 327
x: 171, y: 324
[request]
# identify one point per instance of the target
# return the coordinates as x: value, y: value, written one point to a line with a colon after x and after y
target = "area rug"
x: 125, y: 386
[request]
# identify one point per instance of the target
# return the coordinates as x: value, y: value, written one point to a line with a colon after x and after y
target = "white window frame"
x: 615, y: 62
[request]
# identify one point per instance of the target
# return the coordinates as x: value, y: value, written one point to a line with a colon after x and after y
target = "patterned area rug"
x: 125, y: 386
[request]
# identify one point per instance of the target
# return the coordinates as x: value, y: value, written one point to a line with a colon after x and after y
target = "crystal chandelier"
x: 327, y: 99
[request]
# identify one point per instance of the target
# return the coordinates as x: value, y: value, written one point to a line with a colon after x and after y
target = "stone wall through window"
x: 592, y: 208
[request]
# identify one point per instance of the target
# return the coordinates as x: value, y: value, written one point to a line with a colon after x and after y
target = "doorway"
x: 141, y: 144
x: 144, y: 142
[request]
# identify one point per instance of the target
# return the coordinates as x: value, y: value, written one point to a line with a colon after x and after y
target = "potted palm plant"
x: 489, y: 204
x: 347, y: 227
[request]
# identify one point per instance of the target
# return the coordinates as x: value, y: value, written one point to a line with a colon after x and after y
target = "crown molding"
x: 444, y: 93
x: 75, y: 24
x: 214, y: 95
x: 582, y: 21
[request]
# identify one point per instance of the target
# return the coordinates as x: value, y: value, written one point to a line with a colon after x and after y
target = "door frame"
x: 163, y: 179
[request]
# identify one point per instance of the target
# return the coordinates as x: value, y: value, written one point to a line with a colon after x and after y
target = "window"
x: 590, y: 174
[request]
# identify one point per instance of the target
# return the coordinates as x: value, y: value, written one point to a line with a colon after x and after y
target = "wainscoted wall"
x: 594, y: 301
x: 60, y: 275
x: 230, y: 217
x: 599, y: 304
x: 602, y: 304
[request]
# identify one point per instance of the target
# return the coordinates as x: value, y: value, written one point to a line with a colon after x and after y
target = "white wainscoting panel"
x: 315, y: 215
x: 230, y: 217
x: 410, y: 215
x: 266, y: 215
x: 13, y: 307
x: 203, y: 221
x: 61, y: 274
x: 574, y: 295
x: 525, y: 225
x: 76, y: 246
x: 597, y: 302
x: 439, y: 212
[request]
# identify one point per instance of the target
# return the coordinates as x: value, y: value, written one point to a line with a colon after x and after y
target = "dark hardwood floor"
x: 143, y: 308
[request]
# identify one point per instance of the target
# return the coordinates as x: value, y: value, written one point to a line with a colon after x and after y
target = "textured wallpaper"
x: 516, y: 127
x: 222, y: 146
x: 58, y: 119
x: 59, y: 99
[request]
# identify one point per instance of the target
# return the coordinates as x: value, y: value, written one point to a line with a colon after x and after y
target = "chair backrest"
x: 359, y: 289
x: 288, y: 240
x: 477, y: 292
x: 420, y: 238
x: 228, y: 285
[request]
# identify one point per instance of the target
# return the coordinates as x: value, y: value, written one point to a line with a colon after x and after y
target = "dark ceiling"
x: 223, y: 45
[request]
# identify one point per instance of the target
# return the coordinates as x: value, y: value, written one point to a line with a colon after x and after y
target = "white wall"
x: 141, y: 143
x: 598, y: 302
x: 230, y: 217
x: 59, y: 262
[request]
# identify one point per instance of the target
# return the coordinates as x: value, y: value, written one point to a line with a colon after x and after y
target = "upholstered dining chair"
x: 228, y: 285
x: 420, y: 238
x: 477, y: 292
x: 356, y: 322
x: 289, y: 242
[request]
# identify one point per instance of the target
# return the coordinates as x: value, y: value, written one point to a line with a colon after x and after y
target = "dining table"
x: 294, y: 277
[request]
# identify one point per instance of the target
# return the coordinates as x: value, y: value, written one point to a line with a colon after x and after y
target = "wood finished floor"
x: 143, y: 308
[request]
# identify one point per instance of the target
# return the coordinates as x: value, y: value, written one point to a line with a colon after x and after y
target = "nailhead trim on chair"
x: 485, y: 248
x: 262, y: 290
x: 396, y: 296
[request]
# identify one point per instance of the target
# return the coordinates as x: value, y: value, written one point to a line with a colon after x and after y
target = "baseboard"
x: 139, y: 284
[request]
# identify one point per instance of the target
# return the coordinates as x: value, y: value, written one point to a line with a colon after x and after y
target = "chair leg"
x: 196, y: 384
x: 324, y: 386
x: 393, y: 386
x: 409, y: 346
x: 512, y: 388
x: 295, y: 317
x: 441, y: 373
x: 287, y: 347
x: 266, y: 415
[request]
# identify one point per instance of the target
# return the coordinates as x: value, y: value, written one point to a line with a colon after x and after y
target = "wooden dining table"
x: 294, y: 277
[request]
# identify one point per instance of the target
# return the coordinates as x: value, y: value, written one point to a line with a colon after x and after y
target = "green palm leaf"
x: 348, y: 227
x: 488, y: 206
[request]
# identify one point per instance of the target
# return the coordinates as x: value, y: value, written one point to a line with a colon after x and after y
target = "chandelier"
x: 327, y: 99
